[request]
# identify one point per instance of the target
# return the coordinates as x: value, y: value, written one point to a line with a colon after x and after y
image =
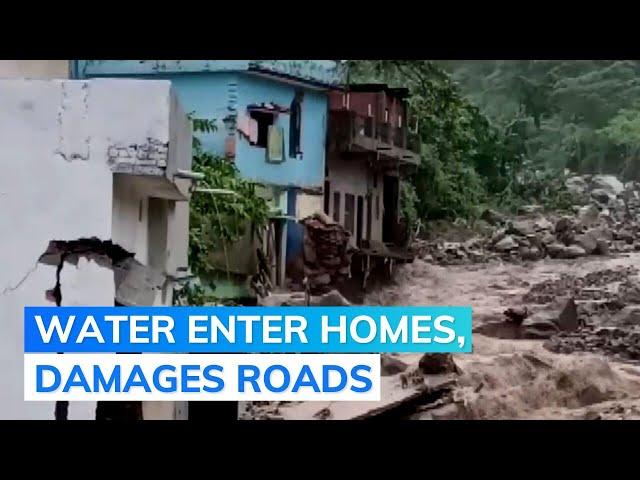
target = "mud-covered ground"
x: 513, y: 377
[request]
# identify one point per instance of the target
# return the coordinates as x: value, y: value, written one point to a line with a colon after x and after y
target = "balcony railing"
x: 400, y: 137
x: 347, y: 127
x: 384, y: 132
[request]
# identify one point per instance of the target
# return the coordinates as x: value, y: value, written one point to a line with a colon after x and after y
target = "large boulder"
x: 542, y: 224
x: 521, y: 227
x: 573, y: 251
x: 492, y: 217
x: 588, y: 215
x: 506, y: 244
x: 437, y: 363
x: 563, y: 224
x: 529, y: 253
x: 555, y: 249
x: 390, y: 365
x: 562, y: 315
x: 540, y: 325
x: 568, y: 315
x: 576, y: 185
x: 600, y: 233
x: 547, y: 238
x: 587, y: 241
x: 609, y: 183
x: 601, y: 196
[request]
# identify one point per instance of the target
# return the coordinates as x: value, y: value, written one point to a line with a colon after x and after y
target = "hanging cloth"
x: 275, y: 144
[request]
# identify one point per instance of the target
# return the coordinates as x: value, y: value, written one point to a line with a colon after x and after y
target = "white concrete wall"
x: 40, y: 69
x: 308, y: 204
x: 356, y: 178
x: 56, y: 184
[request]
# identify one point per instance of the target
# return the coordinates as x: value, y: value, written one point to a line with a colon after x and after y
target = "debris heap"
x: 605, y: 219
x: 327, y: 253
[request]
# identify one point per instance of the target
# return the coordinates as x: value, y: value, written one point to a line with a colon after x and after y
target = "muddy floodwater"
x: 506, y: 378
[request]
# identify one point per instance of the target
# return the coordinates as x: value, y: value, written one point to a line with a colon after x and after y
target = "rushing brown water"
x: 505, y: 379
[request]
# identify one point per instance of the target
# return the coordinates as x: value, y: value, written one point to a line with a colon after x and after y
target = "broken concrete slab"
x: 137, y: 285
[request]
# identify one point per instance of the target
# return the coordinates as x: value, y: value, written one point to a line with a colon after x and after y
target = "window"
x: 345, y: 100
x: 264, y: 121
x: 349, y: 212
x: 386, y: 115
x: 369, y: 110
x: 295, y: 125
x: 399, y: 121
x: 336, y: 206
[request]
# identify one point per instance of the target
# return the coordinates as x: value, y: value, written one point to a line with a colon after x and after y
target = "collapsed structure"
x: 94, y: 199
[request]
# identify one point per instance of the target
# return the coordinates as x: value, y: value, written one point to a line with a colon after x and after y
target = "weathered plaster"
x: 57, y: 184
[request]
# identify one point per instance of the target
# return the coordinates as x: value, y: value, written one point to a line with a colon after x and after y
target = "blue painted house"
x: 272, y: 122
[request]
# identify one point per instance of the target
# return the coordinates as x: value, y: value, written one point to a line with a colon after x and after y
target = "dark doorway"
x: 349, y: 212
x: 369, y: 217
x: 327, y: 193
x: 391, y: 189
x: 359, y: 219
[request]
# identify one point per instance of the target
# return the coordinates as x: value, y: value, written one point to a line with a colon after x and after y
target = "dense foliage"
x: 577, y: 114
x: 503, y: 132
x: 221, y: 209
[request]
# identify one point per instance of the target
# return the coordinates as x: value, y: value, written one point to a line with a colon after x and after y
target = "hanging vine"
x: 221, y: 210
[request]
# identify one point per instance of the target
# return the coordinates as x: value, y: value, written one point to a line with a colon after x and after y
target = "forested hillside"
x: 501, y: 132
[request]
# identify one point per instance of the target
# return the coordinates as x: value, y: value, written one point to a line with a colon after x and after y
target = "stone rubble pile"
x: 605, y: 219
x: 598, y: 313
x: 327, y: 256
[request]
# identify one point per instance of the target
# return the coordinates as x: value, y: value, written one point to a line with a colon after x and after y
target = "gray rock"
x: 437, y: 363
x: 601, y: 233
x: 506, y: 244
x: 588, y: 215
x: 602, y: 247
x: 555, y: 250
x: 529, y: 253
x: 391, y: 366
x: 498, y: 235
x: 542, y: 224
x: 601, y: 195
x: 576, y: 185
x: 521, y: 227
x: 609, y: 183
x: 587, y: 242
x: 563, y: 224
x: 540, y: 325
x: 526, y: 209
x: 568, y: 316
x: 492, y: 217
x: 573, y: 251
x: 548, y: 238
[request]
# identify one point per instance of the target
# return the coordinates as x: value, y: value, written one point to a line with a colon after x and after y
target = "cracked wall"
x: 57, y: 184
